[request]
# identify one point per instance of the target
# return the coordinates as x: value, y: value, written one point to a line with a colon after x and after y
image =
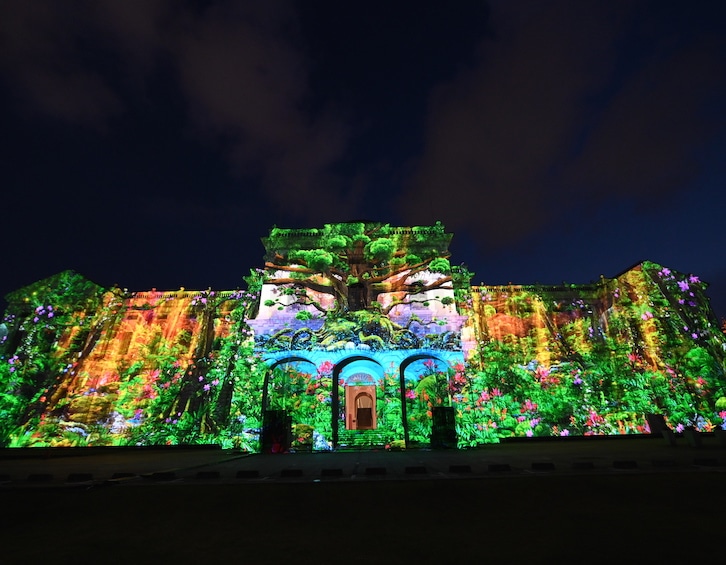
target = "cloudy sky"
x: 152, y: 143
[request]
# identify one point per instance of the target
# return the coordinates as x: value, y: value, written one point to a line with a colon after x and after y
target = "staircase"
x: 356, y: 440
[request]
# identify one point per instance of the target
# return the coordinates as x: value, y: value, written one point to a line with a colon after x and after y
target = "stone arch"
x: 297, y: 403
x: 407, y: 403
x: 271, y: 368
x: 347, y: 373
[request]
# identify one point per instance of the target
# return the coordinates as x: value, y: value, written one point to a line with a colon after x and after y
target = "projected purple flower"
x: 683, y: 285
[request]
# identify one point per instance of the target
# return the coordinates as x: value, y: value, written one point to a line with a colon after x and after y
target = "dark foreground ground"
x: 552, y: 502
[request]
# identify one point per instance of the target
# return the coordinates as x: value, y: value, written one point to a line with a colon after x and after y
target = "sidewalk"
x: 634, y: 499
x: 568, y: 456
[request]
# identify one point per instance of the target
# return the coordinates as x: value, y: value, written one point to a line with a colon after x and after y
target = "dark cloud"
x: 44, y: 61
x: 647, y: 140
x: 554, y: 119
x: 246, y: 82
x: 238, y: 68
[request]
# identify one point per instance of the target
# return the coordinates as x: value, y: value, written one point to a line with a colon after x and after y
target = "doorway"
x: 360, y: 407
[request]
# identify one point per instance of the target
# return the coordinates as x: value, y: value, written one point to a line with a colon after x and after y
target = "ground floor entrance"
x: 359, y: 402
x: 360, y: 407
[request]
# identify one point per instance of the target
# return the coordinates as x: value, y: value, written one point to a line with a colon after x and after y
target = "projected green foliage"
x: 307, y: 396
x: 83, y: 365
x: 356, y: 262
x: 594, y: 360
x: 32, y: 347
x: 217, y: 398
x: 178, y: 386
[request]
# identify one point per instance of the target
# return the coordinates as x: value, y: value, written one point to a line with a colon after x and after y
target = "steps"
x: 361, y: 439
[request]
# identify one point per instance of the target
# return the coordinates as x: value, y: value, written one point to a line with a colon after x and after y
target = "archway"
x: 297, y: 400
x: 360, y: 402
x: 357, y: 402
x: 425, y: 399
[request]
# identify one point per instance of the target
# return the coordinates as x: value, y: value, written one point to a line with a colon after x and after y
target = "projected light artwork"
x: 356, y: 335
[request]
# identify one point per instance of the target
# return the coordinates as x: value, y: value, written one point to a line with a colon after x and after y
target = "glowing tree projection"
x: 373, y: 304
x: 356, y: 335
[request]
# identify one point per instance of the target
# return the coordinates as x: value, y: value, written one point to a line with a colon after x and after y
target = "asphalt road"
x: 594, y: 501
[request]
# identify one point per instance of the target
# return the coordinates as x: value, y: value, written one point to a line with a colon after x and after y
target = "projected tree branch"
x: 357, y: 262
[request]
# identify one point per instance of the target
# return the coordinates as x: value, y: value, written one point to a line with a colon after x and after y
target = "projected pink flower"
x: 326, y: 367
x: 529, y: 406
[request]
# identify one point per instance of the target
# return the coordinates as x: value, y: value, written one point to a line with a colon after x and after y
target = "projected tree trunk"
x: 355, y: 263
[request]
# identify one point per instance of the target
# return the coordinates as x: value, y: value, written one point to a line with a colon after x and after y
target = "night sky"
x: 151, y: 144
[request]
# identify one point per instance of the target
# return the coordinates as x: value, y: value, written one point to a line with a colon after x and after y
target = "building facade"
x: 356, y: 335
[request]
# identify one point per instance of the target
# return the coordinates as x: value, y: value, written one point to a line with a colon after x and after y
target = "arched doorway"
x: 364, y: 404
x: 360, y: 402
x: 426, y: 401
x: 297, y: 413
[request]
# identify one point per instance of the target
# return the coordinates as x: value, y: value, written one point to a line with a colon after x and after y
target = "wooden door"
x: 360, y: 407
